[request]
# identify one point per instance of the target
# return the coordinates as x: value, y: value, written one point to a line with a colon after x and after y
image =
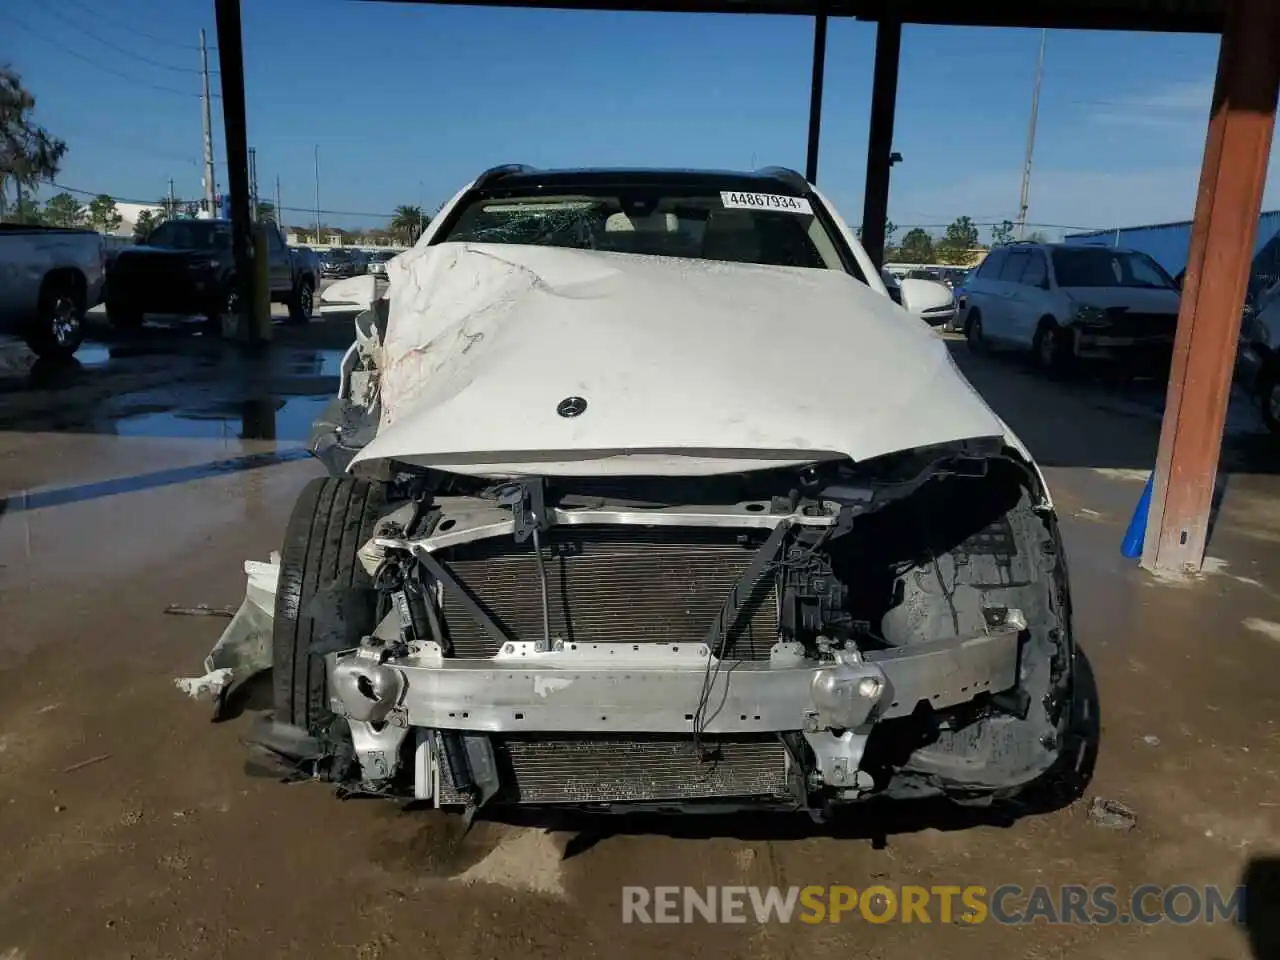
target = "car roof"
x: 776, y: 180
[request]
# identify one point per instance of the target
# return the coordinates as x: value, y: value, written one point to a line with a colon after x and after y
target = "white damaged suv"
x: 644, y: 495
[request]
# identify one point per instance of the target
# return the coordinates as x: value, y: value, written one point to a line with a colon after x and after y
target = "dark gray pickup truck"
x: 186, y: 266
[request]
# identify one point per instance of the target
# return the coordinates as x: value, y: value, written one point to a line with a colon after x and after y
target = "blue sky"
x: 406, y: 102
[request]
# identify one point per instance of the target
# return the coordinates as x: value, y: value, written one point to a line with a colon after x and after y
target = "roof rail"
x: 497, y: 173
x: 788, y: 176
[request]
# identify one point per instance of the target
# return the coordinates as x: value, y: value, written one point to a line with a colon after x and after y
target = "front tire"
x: 332, y: 518
x: 973, y: 334
x: 302, y: 301
x: 57, y: 329
x: 1268, y: 393
x: 1052, y: 348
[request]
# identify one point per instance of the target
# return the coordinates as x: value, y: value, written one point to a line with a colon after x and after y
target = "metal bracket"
x: 527, y: 500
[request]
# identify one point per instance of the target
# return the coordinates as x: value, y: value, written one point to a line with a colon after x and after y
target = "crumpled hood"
x: 685, y: 366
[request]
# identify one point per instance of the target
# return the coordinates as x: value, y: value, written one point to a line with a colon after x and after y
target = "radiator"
x: 640, y: 768
x: 613, y: 584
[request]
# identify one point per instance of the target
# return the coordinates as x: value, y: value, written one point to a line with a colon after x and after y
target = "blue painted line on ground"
x: 41, y: 499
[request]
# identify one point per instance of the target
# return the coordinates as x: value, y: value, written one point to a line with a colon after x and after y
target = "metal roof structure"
x: 1176, y: 16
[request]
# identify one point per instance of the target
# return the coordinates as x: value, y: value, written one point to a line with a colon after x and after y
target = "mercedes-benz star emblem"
x: 571, y: 407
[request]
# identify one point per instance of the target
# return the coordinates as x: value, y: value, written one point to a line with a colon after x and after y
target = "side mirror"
x: 919, y: 296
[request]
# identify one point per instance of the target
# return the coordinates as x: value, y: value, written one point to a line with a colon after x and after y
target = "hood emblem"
x: 571, y: 407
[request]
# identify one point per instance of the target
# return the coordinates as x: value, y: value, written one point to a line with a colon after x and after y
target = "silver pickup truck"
x: 49, y: 277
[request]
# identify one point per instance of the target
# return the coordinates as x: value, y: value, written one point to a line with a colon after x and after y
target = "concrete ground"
x: 131, y: 829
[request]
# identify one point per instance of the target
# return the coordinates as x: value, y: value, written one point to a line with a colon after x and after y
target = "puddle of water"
x: 320, y: 363
x: 93, y: 354
x: 269, y: 419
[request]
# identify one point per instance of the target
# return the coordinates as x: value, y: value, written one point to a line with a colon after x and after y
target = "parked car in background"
x: 340, y: 262
x: 186, y: 266
x: 49, y: 277
x: 378, y: 261
x: 961, y: 291
x: 1068, y: 303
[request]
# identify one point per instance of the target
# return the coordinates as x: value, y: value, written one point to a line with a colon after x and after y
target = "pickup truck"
x: 49, y: 277
x: 186, y: 266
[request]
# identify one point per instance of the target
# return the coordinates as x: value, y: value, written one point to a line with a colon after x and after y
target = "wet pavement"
x: 148, y: 473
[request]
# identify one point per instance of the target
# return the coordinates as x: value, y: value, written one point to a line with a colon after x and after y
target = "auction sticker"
x: 733, y: 200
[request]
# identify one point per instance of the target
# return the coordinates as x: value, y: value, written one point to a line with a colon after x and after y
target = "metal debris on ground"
x: 86, y: 763
x: 200, y: 610
x: 1111, y: 814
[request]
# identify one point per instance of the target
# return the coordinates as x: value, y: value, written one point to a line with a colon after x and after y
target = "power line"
x: 331, y: 213
x: 121, y: 25
x: 89, y: 60
x: 119, y: 49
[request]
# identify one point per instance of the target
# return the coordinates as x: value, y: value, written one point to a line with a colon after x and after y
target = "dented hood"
x: 666, y: 365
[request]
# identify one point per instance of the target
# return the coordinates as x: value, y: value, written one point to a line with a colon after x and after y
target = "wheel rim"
x: 65, y: 324
x: 233, y: 303
x: 305, y: 300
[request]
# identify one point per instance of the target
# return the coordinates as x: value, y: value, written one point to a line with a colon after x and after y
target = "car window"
x: 1104, y: 267
x: 668, y: 220
x: 191, y: 235
x: 1037, y: 270
x: 990, y: 267
x: 1014, y: 264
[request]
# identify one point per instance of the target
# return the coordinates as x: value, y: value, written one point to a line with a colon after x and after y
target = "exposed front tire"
x: 56, y: 331
x: 332, y: 518
x: 302, y: 301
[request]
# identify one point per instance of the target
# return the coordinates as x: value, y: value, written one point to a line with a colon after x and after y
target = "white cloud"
x: 1183, y: 106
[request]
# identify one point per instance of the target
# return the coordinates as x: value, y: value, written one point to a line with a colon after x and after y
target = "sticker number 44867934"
x: 734, y: 200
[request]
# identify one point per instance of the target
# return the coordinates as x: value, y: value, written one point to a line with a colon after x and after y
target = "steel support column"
x: 1232, y: 177
x: 231, y: 64
x: 884, y: 101
x: 815, y: 95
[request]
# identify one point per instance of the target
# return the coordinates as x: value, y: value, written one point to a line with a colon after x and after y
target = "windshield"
x: 656, y: 220
x: 192, y: 235
x: 1100, y: 267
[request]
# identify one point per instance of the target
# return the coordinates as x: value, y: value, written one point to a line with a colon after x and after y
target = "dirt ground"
x: 131, y: 828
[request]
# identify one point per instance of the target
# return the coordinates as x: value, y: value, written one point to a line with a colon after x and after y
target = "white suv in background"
x: 1066, y: 303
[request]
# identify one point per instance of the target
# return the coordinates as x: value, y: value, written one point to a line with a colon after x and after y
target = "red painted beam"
x: 1232, y: 178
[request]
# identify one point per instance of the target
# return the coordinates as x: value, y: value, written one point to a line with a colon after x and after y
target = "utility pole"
x: 279, y: 209
x: 317, y: 193
x: 253, y: 182
x: 173, y: 202
x: 1031, y: 140
x: 208, y: 130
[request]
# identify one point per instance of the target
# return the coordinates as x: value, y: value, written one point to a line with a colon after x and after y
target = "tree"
x: 28, y: 211
x: 917, y: 247
x: 103, y: 214
x: 408, y: 223
x: 145, y: 223
x: 265, y: 211
x: 1002, y: 233
x: 64, y: 210
x: 960, y: 238
x: 28, y: 154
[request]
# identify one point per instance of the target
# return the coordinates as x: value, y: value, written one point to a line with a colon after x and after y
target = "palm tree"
x: 408, y: 223
x: 27, y: 153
